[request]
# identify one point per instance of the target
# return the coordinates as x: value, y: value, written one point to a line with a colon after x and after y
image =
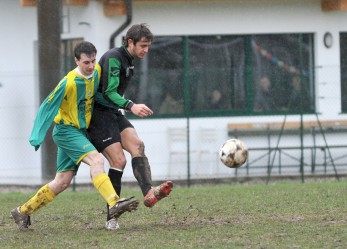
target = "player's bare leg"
x: 43, y: 196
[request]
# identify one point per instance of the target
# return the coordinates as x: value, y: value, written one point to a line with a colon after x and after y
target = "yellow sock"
x: 103, y: 184
x: 42, y: 197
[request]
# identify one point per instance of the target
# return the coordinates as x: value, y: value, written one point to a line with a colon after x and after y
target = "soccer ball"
x: 233, y: 153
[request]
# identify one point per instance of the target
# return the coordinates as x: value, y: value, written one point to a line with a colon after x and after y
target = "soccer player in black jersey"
x: 110, y: 131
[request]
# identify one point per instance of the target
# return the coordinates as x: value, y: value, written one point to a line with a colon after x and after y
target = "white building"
x: 246, y: 34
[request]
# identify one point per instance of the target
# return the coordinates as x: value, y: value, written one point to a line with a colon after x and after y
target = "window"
x: 343, y: 63
x: 283, y: 73
x: 217, y: 74
x: 225, y: 75
x: 67, y: 55
x: 158, y: 78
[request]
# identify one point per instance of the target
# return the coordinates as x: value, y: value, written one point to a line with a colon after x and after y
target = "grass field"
x: 278, y: 215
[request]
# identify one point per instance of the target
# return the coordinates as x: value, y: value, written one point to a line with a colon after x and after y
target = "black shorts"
x: 106, y: 126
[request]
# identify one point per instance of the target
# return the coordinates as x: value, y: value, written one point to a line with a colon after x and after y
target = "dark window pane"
x: 343, y: 54
x: 216, y: 73
x: 283, y: 73
x: 158, y: 78
x: 67, y: 55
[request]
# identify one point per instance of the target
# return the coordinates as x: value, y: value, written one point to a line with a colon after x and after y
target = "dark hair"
x: 84, y: 48
x: 137, y: 32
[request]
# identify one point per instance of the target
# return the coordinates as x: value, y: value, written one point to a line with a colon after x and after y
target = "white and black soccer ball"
x: 233, y: 153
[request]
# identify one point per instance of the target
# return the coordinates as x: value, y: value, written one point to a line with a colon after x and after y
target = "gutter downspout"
x: 128, y: 9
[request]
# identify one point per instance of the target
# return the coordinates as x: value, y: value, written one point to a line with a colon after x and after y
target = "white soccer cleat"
x: 112, y: 224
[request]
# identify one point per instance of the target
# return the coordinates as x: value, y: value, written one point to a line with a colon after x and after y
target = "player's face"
x: 86, y: 64
x: 140, y: 49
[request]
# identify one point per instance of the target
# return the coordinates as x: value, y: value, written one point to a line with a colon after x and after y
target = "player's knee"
x: 64, y: 185
x: 96, y: 165
x: 59, y: 185
x: 118, y: 162
x: 94, y: 159
x: 98, y: 161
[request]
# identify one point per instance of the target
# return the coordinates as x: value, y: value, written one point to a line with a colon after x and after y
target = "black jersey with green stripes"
x: 117, y: 71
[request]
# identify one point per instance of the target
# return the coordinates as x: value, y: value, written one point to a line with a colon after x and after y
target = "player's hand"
x: 141, y: 110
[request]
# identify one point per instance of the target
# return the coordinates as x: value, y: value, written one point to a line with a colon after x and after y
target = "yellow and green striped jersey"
x: 70, y: 103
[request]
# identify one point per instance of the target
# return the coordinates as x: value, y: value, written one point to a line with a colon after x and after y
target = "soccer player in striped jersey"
x: 110, y: 131
x: 70, y: 107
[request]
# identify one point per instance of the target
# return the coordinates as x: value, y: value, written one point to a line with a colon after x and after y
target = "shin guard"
x: 142, y: 173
